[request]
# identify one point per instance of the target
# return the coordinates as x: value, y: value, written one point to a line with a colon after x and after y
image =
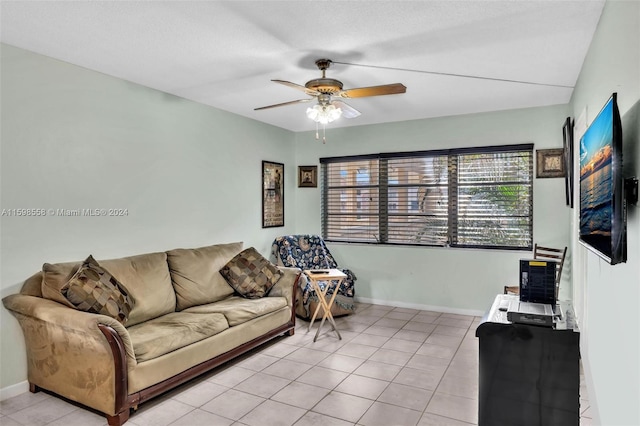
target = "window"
x: 350, y: 191
x: 480, y: 197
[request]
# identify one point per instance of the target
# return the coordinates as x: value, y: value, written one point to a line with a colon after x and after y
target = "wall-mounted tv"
x: 603, y: 227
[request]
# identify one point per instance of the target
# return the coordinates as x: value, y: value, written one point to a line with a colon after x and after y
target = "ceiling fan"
x: 326, y: 90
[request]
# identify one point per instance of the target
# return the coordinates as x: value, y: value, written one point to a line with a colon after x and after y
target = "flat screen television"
x: 603, y: 218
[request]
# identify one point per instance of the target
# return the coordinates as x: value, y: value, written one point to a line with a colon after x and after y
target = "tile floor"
x: 393, y: 366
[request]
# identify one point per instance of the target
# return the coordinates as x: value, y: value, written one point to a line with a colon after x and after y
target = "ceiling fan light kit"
x: 323, y: 89
x: 324, y: 114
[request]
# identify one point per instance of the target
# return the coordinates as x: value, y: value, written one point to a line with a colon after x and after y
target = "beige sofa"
x: 185, y: 320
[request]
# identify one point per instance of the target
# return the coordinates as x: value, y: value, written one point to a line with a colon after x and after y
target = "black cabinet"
x: 529, y: 375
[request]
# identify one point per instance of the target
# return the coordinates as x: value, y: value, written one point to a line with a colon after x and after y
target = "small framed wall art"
x: 272, y: 194
x: 550, y: 163
x: 307, y: 176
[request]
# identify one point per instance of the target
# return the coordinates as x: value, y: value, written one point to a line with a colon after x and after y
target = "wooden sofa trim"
x: 122, y: 378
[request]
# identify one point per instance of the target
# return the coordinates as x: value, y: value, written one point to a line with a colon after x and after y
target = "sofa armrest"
x: 285, y: 287
x: 71, y: 320
x: 67, y: 352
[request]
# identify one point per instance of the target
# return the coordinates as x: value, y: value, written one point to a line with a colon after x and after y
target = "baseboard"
x: 14, y: 390
x: 443, y: 309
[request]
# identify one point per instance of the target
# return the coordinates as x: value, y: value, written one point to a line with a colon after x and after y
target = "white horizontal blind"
x: 494, y: 199
x: 351, y: 201
x: 481, y: 197
x: 418, y: 200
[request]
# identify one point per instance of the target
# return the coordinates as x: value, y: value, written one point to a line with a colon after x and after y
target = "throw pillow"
x: 93, y: 289
x: 250, y: 274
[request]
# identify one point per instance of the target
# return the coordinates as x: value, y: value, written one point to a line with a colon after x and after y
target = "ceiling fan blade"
x: 361, y: 92
x: 297, y: 87
x: 299, y: 101
x: 347, y: 110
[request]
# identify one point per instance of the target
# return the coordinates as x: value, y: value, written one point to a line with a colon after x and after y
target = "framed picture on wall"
x: 307, y: 176
x: 272, y: 194
x: 550, y: 163
x: 567, y: 136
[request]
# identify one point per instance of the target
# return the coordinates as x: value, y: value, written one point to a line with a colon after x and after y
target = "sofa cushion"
x: 54, y: 277
x: 238, y: 309
x: 145, y: 276
x: 93, y: 289
x: 173, y: 331
x: 250, y: 274
x: 195, y: 273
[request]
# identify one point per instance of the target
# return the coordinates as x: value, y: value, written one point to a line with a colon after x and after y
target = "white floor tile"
x: 199, y: 417
x: 424, y: 379
x: 458, y: 386
x: 323, y: 377
x: 78, y: 417
x: 370, y: 340
x: 307, y: 356
x: 455, y: 407
x: 317, y: 419
x: 273, y: 413
x: 162, y: 414
x: 287, y: 369
x: 339, y: 362
x: 24, y: 400
x: 429, y: 419
x: 232, y: 404
x: 365, y: 387
x: 390, y: 356
x: 43, y: 412
x: 257, y: 362
x: 301, y: 395
x: 402, y: 345
x: 381, y: 331
x: 8, y: 421
x: 343, y: 406
x: 232, y: 376
x: 381, y: 414
x: 357, y: 350
x: 406, y: 396
x: 378, y: 370
x: 200, y: 394
x: 263, y: 385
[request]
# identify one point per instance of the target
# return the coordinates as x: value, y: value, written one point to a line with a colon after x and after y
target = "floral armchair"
x: 310, y: 252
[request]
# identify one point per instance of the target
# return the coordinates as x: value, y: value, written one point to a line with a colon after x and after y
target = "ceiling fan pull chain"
x: 324, y: 133
x: 317, y: 135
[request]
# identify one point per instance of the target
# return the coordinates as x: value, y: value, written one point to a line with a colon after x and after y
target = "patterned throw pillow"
x: 250, y: 274
x: 94, y: 289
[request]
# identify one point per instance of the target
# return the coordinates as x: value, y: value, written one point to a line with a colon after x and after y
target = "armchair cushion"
x: 304, y: 252
x: 307, y: 251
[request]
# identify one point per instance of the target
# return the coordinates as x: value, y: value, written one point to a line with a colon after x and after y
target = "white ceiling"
x: 224, y: 53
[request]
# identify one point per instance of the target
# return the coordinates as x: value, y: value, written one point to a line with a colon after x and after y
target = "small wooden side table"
x: 329, y: 275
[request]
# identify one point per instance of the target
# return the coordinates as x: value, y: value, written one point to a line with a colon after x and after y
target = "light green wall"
x: 609, y: 296
x: 451, y: 279
x: 189, y: 175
